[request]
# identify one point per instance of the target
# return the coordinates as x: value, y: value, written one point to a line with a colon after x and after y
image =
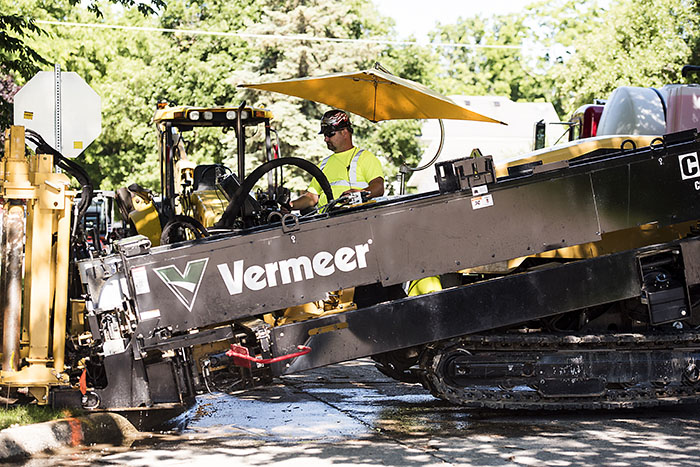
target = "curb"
x: 23, y: 441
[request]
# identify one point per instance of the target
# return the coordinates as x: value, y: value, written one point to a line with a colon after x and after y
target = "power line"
x: 291, y: 37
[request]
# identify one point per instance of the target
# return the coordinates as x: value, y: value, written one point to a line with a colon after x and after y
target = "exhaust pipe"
x: 11, y: 281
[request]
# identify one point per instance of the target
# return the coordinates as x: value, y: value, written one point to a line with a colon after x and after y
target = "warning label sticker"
x: 479, y: 202
x: 140, y: 280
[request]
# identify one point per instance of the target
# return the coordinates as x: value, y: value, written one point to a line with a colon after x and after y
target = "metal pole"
x: 58, y: 131
x: 271, y: 177
x: 167, y: 177
x: 240, y: 138
x: 12, y: 272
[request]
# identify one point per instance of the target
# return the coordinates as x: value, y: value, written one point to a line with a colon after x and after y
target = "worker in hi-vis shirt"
x: 348, y: 169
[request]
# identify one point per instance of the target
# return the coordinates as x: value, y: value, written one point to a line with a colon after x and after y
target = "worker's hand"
x: 364, y: 194
x: 355, y: 196
x: 285, y: 208
x: 305, y: 201
x: 353, y: 190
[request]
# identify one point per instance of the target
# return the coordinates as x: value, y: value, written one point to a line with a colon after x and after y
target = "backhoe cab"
x: 193, y: 197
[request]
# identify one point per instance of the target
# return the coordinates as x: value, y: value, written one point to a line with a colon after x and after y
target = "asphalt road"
x: 350, y: 414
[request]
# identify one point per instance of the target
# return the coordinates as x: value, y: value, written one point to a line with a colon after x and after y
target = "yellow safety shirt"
x: 353, y: 168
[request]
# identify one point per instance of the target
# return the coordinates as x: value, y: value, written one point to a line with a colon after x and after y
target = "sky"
x: 418, y: 17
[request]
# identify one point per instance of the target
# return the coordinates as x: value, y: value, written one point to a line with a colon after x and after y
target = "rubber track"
x: 485, y: 396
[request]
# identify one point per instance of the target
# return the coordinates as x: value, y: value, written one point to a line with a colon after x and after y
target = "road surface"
x: 350, y: 414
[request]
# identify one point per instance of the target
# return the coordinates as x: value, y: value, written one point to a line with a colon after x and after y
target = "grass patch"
x: 28, y: 414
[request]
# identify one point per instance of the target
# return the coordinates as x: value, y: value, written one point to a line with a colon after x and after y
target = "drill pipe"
x: 12, y: 282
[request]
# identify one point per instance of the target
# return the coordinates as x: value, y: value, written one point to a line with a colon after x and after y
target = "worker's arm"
x: 375, y: 188
x: 307, y: 200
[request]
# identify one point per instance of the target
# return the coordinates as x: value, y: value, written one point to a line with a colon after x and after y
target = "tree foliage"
x: 567, y: 52
x: 637, y: 43
x: 146, y: 8
x: 277, y: 58
x: 134, y: 70
x: 16, y: 59
x: 571, y: 51
x: 19, y: 61
x: 513, y: 55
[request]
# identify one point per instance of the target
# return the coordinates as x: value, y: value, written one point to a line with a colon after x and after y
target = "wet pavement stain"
x: 287, y: 415
x: 364, y: 418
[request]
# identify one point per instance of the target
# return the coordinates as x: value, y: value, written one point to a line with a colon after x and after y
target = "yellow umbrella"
x: 374, y: 94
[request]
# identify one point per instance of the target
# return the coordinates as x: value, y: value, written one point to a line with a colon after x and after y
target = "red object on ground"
x: 83, y: 382
x: 241, y: 356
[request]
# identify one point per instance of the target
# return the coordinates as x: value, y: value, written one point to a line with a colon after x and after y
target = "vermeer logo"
x: 184, y: 285
x: 690, y: 167
x: 323, y: 263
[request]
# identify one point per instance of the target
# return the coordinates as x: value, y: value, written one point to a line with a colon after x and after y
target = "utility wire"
x: 291, y: 37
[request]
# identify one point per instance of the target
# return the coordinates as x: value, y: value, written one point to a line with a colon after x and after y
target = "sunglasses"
x: 329, y: 133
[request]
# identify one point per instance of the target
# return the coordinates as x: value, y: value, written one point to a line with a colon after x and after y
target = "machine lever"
x: 241, y: 356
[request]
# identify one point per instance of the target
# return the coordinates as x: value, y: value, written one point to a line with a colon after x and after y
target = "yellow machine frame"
x: 34, y: 329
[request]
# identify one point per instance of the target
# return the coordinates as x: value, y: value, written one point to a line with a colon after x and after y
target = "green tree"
x: 146, y: 8
x: 19, y: 61
x: 111, y: 63
x: 179, y: 68
x: 638, y: 43
x: 133, y: 70
x: 513, y: 55
x: 571, y: 51
x: 297, y: 120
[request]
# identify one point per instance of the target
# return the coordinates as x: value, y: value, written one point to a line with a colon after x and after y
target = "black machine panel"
x: 653, y: 190
x: 458, y: 311
x: 224, y: 279
x: 451, y: 233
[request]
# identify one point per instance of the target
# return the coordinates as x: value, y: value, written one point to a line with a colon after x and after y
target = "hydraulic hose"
x: 71, y: 168
x: 239, y: 197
